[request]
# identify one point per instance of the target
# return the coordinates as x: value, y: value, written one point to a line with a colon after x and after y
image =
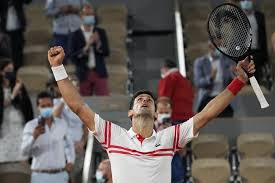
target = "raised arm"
x: 68, y: 91
x: 219, y: 103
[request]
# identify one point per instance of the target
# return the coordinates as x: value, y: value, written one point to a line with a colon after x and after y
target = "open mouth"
x: 144, y: 105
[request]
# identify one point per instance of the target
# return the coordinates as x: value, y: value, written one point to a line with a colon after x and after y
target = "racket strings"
x: 230, y: 30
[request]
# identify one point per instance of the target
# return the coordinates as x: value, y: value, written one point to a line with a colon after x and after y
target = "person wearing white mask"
x: 176, y: 89
x: 164, y: 112
x: 104, y: 172
x: 46, y: 140
x: 259, y: 41
x: 90, y: 59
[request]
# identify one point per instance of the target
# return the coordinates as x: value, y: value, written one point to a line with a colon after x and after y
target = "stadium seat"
x: 34, y: 77
x: 116, y: 33
x: 118, y: 76
x: 251, y: 145
x: 14, y: 173
x: 196, y: 32
x: 35, y: 55
x: 257, y: 170
x: 117, y: 56
x: 210, y: 146
x: 38, y: 36
x: 195, y: 10
x: 211, y: 171
x: 112, y: 13
x: 105, y: 104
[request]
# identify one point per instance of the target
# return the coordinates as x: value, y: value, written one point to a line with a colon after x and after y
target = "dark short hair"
x: 169, y: 63
x: 139, y: 93
x: 4, y: 61
x: 43, y: 94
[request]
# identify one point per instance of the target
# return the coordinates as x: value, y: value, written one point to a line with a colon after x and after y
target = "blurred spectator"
x: 177, y: 90
x: 66, y: 23
x: 13, y: 22
x: 90, y: 63
x: 212, y: 73
x: 273, y: 59
x: 46, y: 140
x: 5, y: 45
x: 76, y: 130
x: 104, y: 173
x: 14, y: 97
x: 259, y: 43
x: 164, y: 112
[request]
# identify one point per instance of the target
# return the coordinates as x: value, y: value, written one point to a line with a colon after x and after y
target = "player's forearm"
x: 70, y: 95
x: 212, y: 109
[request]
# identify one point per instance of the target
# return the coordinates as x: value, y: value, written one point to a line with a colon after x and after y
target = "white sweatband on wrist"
x: 59, y: 73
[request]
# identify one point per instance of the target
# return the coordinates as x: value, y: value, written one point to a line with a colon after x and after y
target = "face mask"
x: 89, y: 20
x: 246, y: 5
x: 10, y: 76
x: 99, y: 177
x: 46, y: 112
x: 161, y: 117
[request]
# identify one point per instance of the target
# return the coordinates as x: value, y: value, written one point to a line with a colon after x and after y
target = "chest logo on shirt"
x: 157, y: 145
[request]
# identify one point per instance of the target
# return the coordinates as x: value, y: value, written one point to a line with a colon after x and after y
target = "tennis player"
x: 140, y: 154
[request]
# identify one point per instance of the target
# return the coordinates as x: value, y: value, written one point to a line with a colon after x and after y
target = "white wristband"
x: 59, y: 72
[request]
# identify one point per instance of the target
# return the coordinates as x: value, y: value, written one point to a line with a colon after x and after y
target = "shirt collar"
x: 171, y: 71
x: 133, y: 134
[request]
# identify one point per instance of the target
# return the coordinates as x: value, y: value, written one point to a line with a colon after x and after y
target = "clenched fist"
x: 56, y: 55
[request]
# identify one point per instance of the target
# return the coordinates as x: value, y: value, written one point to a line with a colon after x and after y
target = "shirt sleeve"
x: 184, y: 133
x: 105, y: 131
x: 27, y: 140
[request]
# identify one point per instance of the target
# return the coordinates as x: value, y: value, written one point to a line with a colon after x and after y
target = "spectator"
x: 5, y: 45
x: 90, y: 63
x: 66, y: 23
x: 259, y: 43
x: 76, y: 131
x: 46, y: 140
x: 273, y: 59
x: 104, y: 173
x: 177, y: 90
x: 163, y: 115
x: 15, y: 101
x: 13, y: 22
x: 212, y: 73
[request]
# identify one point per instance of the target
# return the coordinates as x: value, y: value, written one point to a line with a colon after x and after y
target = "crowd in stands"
x: 55, y: 140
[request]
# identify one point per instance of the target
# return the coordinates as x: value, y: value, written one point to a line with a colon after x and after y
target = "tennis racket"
x: 230, y: 32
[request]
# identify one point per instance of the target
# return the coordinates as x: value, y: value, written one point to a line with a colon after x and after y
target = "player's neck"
x: 143, y: 126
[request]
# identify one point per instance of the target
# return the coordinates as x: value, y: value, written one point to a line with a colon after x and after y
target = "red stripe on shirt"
x: 135, y: 151
x: 175, y: 136
x: 128, y: 153
x: 105, y: 134
x: 109, y: 136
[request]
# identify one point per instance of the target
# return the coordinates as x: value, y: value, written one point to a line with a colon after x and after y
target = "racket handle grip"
x: 257, y: 90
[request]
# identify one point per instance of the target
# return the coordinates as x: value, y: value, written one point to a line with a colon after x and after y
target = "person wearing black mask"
x: 13, y: 95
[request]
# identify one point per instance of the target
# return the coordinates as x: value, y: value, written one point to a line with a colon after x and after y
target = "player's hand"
x: 243, y: 66
x: 56, y: 55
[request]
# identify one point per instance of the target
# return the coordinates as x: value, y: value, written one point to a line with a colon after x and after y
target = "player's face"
x: 144, y: 105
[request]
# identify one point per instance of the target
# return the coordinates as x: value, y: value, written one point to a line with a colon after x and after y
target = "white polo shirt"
x: 146, y: 162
